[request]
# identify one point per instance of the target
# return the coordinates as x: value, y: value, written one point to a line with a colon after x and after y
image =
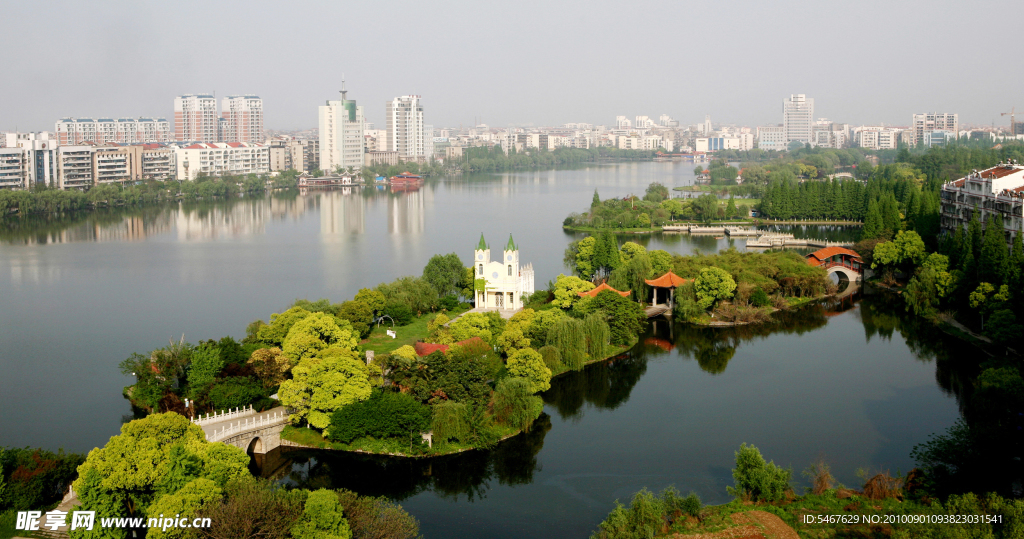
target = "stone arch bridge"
x: 253, y: 432
x: 840, y: 260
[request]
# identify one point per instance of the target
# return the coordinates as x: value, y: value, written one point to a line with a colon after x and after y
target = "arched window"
x: 480, y: 269
x: 510, y: 270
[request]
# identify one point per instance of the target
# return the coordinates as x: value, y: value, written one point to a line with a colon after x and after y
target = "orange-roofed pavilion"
x: 604, y: 286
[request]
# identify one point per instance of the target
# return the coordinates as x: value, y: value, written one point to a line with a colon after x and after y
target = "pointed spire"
x: 511, y: 244
x: 482, y: 246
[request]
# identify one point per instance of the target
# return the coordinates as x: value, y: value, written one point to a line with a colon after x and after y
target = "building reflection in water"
x: 96, y: 228
x: 218, y: 221
x: 342, y: 211
x: 406, y: 212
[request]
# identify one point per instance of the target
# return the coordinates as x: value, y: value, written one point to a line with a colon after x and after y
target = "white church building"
x: 506, y: 284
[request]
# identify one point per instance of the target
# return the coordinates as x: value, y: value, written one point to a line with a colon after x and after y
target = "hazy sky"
x: 526, y: 62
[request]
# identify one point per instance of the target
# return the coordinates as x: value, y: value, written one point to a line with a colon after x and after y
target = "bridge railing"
x: 830, y: 265
x: 249, y: 423
x: 224, y: 415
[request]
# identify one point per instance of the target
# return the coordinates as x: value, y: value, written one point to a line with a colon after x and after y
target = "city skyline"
x: 733, y: 63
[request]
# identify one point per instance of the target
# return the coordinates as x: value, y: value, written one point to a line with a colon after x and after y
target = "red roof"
x: 668, y: 280
x: 604, y: 286
x: 818, y: 257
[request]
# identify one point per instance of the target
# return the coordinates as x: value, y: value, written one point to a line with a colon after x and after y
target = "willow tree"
x: 596, y: 334
x: 568, y: 336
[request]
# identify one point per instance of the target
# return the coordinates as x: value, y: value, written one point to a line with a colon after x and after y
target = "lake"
x: 853, y: 382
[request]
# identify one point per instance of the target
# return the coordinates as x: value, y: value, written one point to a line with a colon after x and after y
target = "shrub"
x: 377, y: 518
x: 386, y: 414
x: 820, y: 476
x: 236, y: 392
x: 643, y: 519
x: 399, y: 312
x: 359, y: 314
x: 253, y: 508
x: 31, y: 478
x: 448, y: 303
x: 625, y: 318
x: 759, y: 298
x: 514, y: 404
x: 757, y: 480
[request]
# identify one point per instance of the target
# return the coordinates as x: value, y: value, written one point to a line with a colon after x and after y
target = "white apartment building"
x: 241, y: 118
x: 195, y: 118
x: 643, y: 122
x: 876, y: 138
x: 705, y: 128
x: 428, y: 141
x: 341, y: 134
x: 87, y: 165
x: 75, y: 166
x: 621, y: 122
x: 13, y: 168
x: 40, y: 156
x: 404, y: 123
x: 798, y: 118
x: 925, y: 123
x: 997, y: 190
x: 666, y: 121
x: 222, y: 159
x: 771, y: 137
x: 75, y: 131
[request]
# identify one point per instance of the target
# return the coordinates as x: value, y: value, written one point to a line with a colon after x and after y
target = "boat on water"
x: 325, y: 181
x: 405, y: 181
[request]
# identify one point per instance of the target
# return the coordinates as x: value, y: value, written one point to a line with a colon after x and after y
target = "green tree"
x: 606, y: 253
x: 567, y: 290
x: 359, y: 315
x: 625, y: 318
x: 472, y: 325
x: 444, y: 273
x: 730, y: 208
x: 596, y: 201
x: 992, y: 265
x: 986, y: 298
x: 706, y: 207
x: 323, y: 383
x: 873, y: 226
x: 270, y: 365
x: 206, y: 364
x: 582, y: 259
x: 273, y: 334
x: 128, y: 474
x: 322, y: 518
x: 529, y: 365
x: 372, y: 299
x: 186, y: 503
x: 317, y: 332
x: 757, y: 480
x: 713, y: 284
x: 514, y: 403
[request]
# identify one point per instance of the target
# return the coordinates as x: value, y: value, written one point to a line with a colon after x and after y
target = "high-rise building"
x: 924, y: 124
x: 73, y: 131
x: 341, y: 134
x: 798, y: 118
x: 195, y: 118
x: 242, y: 117
x: 404, y: 119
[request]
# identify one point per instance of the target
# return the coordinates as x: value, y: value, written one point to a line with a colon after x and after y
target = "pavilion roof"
x: 818, y: 257
x: 668, y: 280
x: 604, y: 286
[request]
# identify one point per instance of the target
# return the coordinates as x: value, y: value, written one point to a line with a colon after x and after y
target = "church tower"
x: 511, y: 259
x: 481, y: 256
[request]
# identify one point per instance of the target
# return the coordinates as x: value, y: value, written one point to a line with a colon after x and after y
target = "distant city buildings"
x: 405, y: 128
x: 876, y: 138
x: 771, y: 137
x: 241, y: 119
x: 72, y: 131
x: 925, y: 124
x: 341, y: 134
x: 798, y: 118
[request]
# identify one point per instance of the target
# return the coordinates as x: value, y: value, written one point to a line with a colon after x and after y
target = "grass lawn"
x: 380, y: 343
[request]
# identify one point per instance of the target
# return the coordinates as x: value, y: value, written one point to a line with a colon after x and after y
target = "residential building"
x: 938, y: 138
x: 40, y: 156
x: 771, y: 137
x: 222, y: 159
x: 195, y: 118
x: 643, y: 122
x: 798, y: 118
x: 341, y: 134
x: 75, y: 166
x: 241, y: 119
x: 280, y: 155
x: 705, y: 128
x: 996, y: 190
x: 428, y: 142
x: 404, y: 122
x: 88, y: 165
x: 76, y: 131
x: 621, y: 122
x: 666, y: 121
x: 925, y: 123
x: 305, y: 155
x: 13, y: 168
x: 876, y: 138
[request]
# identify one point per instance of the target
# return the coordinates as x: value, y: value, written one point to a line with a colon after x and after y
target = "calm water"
x: 852, y: 382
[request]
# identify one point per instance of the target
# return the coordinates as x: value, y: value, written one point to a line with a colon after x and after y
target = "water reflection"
x: 470, y: 474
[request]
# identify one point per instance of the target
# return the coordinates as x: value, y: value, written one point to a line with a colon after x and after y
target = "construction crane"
x: 1013, y: 123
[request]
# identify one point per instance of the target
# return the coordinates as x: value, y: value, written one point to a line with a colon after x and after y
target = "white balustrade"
x: 247, y: 424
